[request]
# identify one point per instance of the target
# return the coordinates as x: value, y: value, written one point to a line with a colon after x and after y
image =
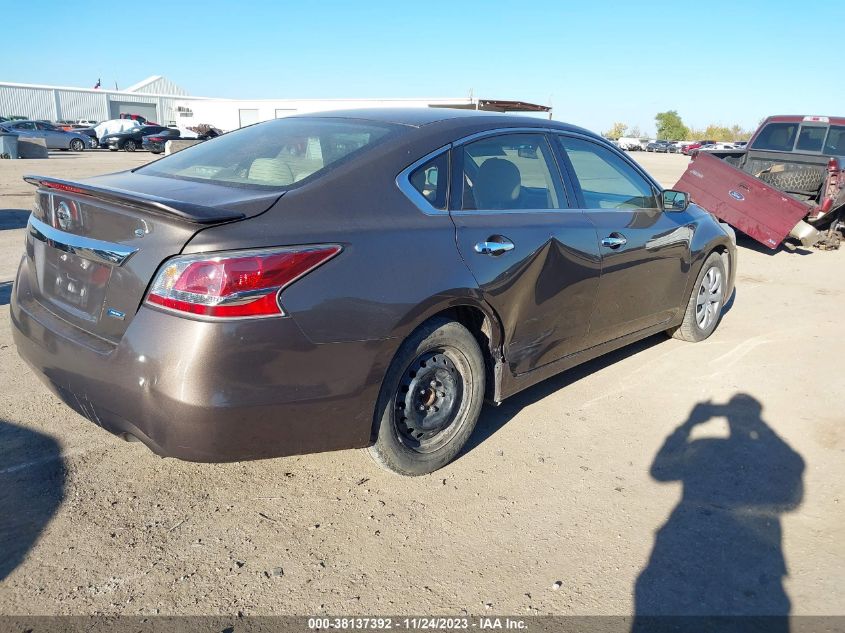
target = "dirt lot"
x: 565, y: 483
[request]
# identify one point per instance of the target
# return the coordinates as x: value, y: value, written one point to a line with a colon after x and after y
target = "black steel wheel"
x: 430, y: 399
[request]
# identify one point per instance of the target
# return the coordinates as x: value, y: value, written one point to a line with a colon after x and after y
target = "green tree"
x: 616, y: 131
x: 670, y: 126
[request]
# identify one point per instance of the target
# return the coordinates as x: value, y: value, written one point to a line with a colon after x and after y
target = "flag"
x: 97, y: 85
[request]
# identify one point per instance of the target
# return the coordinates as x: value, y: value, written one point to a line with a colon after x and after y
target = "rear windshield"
x: 275, y: 154
x: 835, y: 144
x: 778, y: 137
x: 810, y: 138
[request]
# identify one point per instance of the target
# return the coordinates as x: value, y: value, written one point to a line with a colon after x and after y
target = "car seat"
x: 497, y: 185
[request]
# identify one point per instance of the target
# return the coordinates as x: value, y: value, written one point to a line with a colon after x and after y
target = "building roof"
x: 158, y: 84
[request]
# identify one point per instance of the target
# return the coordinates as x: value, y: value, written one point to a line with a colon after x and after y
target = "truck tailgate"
x: 743, y: 201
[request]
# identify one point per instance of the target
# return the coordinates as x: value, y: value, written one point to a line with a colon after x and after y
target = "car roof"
x: 419, y: 117
x: 804, y: 118
x: 413, y: 117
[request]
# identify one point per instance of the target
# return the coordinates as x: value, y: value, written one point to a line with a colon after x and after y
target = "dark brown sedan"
x: 353, y: 279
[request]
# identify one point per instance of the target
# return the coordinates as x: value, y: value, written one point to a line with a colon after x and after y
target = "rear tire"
x: 130, y: 146
x: 704, y: 308
x: 430, y: 399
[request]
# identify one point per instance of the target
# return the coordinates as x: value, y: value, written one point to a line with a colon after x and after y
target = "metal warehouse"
x: 159, y: 99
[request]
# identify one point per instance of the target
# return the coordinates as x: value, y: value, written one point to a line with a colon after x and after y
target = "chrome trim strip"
x: 85, y: 247
x: 500, y: 131
x: 420, y: 201
x: 403, y: 181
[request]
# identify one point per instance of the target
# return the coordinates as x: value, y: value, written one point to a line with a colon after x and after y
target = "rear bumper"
x: 203, y: 391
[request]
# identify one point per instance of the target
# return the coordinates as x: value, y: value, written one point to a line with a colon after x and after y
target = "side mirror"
x: 675, y: 200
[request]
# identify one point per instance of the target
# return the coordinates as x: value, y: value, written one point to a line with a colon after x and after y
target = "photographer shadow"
x: 718, y: 558
x: 32, y: 484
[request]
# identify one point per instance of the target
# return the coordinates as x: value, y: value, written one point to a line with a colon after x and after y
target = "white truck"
x: 632, y: 143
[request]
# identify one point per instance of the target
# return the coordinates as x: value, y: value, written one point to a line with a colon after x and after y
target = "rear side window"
x: 275, y: 154
x: 835, y: 144
x: 810, y: 138
x: 512, y: 171
x: 432, y: 180
x: 607, y: 181
x: 778, y: 137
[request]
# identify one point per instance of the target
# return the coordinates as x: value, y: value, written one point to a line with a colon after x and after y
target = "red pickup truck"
x: 787, y: 182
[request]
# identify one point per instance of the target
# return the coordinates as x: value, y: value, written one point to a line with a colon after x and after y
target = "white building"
x: 159, y: 99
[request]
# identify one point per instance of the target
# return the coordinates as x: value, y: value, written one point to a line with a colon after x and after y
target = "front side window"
x: 512, y: 171
x: 25, y: 126
x: 432, y: 180
x: 777, y: 137
x: 607, y: 181
x: 810, y: 138
x: 277, y: 153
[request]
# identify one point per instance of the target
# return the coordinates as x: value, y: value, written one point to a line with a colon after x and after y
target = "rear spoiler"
x: 195, y: 213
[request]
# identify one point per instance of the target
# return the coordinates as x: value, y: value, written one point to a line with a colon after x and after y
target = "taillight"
x: 234, y: 284
x: 155, y: 139
x: 51, y: 184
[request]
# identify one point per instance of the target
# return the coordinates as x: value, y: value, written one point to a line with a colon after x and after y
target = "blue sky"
x: 597, y: 62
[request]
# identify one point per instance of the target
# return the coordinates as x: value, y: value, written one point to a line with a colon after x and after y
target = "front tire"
x: 77, y: 145
x: 130, y: 146
x: 704, y: 309
x: 430, y: 399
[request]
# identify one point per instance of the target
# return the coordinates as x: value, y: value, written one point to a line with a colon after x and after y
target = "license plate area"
x: 75, y: 284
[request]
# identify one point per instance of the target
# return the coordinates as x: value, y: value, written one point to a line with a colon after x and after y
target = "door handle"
x: 495, y: 245
x: 614, y: 240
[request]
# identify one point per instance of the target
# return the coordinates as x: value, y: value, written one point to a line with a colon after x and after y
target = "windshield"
x: 275, y: 154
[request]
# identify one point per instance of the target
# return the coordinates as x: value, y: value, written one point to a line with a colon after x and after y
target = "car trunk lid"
x: 93, y: 246
x: 762, y: 212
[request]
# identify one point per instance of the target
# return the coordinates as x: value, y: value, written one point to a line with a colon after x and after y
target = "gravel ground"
x: 569, y: 500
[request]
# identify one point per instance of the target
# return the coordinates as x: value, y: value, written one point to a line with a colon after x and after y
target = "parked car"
x: 137, y: 117
x: 658, y: 146
x: 131, y: 139
x: 155, y: 142
x: 357, y: 279
x: 696, y: 145
x: 800, y: 156
x: 719, y: 145
x: 91, y: 133
x: 54, y: 137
